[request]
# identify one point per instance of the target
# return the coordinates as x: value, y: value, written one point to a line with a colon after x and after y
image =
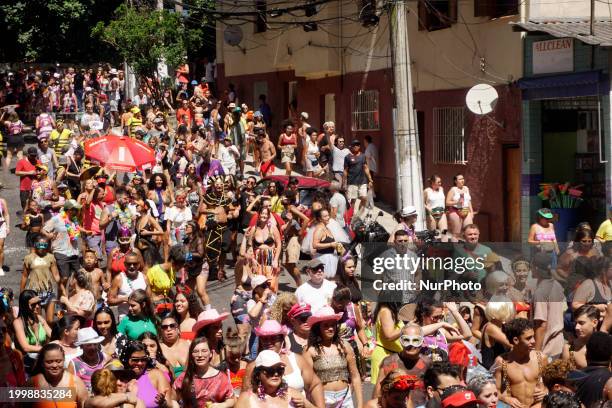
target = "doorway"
x: 571, y: 144
x: 512, y: 193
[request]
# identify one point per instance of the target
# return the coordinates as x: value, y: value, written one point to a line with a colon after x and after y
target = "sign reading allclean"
x: 553, y: 56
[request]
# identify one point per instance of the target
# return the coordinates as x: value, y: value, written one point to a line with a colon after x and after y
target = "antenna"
x: 481, y: 100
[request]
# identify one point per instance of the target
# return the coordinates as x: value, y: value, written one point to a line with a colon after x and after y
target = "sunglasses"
x: 319, y: 269
x: 273, y: 371
x: 128, y: 264
x: 272, y: 339
x: 36, y: 303
x: 402, y: 241
x: 303, y: 317
x: 169, y: 326
x: 411, y: 341
x: 41, y: 245
x: 138, y: 359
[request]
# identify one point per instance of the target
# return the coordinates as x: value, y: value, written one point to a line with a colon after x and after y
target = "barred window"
x: 364, y: 109
x: 449, y: 135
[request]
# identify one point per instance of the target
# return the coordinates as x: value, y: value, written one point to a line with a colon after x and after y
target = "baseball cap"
x: 268, y: 358
x: 355, y: 142
x: 460, y: 398
x: 32, y: 151
x: 314, y: 263
x: 545, y: 213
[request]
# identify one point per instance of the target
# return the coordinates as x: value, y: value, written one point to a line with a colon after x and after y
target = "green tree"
x: 51, y: 30
x: 144, y: 36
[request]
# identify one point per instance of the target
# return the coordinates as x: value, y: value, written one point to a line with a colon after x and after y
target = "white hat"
x: 232, y: 105
x: 408, y: 211
x: 268, y: 358
x: 304, y: 115
x: 56, y: 75
x: 88, y: 336
x: 258, y: 280
x: 113, y: 71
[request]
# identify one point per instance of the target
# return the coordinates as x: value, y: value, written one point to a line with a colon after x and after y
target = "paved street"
x: 15, y: 248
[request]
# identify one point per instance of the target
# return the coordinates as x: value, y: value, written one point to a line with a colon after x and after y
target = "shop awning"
x: 589, y: 83
x: 574, y: 28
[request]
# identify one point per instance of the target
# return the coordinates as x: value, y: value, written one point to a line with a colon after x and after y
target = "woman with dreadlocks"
x: 216, y: 209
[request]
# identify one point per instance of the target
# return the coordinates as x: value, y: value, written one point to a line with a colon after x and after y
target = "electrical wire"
x: 445, y: 57
x: 223, y: 13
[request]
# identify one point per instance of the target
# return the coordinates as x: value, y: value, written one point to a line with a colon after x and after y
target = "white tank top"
x: 126, y: 289
x: 294, y: 380
x: 435, y: 198
x: 466, y: 198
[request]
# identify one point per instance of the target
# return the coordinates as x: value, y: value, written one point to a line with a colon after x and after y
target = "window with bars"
x: 449, y: 135
x: 364, y: 110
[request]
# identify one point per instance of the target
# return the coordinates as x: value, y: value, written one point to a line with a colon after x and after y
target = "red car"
x: 306, y: 186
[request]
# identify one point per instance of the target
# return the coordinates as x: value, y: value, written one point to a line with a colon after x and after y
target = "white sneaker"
x: 2, y: 273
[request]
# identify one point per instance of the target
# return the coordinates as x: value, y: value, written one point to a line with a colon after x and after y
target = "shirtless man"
x: 518, y: 373
x: 175, y: 349
x: 267, y: 152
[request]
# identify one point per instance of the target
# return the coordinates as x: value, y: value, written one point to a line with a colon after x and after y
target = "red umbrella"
x: 120, y: 153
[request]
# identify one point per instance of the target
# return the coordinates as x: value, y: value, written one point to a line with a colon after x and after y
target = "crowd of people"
x: 114, y: 300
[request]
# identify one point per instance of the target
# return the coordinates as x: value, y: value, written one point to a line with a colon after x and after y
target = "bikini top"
x: 268, y: 242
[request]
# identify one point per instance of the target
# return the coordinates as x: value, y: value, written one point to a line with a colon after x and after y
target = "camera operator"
x: 401, y: 246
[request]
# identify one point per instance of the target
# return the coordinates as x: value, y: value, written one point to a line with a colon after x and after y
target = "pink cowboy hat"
x: 208, y: 317
x: 323, y: 314
x: 270, y: 328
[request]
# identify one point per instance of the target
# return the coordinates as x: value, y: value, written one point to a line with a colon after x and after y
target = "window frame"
x: 356, y: 115
x: 447, y: 145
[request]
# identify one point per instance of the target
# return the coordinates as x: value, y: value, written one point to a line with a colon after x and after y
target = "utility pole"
x: 406, y: 140
x: 592, y: 20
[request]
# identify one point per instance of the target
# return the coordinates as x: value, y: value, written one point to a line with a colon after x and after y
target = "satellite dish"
x: 233, y: 35
x: 481, y: 99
